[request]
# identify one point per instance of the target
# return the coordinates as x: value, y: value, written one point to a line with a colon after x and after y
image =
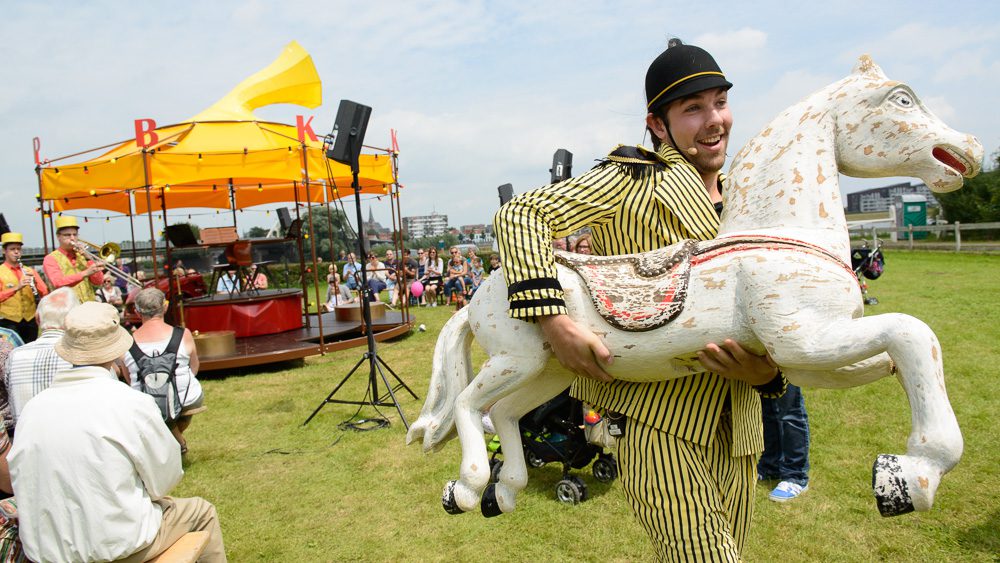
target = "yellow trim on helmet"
x: 688, y: 77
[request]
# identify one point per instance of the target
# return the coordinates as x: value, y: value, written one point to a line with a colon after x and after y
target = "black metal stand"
x: 375, y: 363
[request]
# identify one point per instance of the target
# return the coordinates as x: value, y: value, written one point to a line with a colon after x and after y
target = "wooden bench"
x: 185, y: 550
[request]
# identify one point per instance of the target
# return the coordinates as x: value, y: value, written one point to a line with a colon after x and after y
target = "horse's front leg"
x: 501, y: 375
x: 505, y: 415
x: 906, y: 482
x: 859, y: 373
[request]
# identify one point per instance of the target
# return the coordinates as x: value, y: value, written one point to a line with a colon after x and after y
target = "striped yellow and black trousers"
x: 695, y: 502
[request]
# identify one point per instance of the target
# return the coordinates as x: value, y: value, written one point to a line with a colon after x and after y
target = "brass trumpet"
x: 106, y: 255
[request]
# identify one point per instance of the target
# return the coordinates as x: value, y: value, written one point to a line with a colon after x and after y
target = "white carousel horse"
x: 776, y: 279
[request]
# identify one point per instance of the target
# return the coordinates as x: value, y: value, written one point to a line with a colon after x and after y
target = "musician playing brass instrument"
x: 66, y: 266
x: 20, y: 287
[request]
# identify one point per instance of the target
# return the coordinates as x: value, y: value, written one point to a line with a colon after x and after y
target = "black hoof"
x: 889, y: 486
x: 490, y: 506
x: 448, y: 499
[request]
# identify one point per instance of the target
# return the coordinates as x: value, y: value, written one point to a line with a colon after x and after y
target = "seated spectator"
x: 92, y: 461
x: 409, y: 274
x: 6, y: 347
x: 110, y: 293
x: 257, y: 279
x: 228, y: 283
x: 391, y: 286
x: 582, y: 244
x: 476, y: 272
x: 140, y: 275
x: 153, y: 337
x: 376, y: 276
x: 454, y: 284
x: 351, y: 275
x: 10, y: 543
x: 31, y: 368
x: 432, y: 279
x: 494, y: 263
x: 179, y: 269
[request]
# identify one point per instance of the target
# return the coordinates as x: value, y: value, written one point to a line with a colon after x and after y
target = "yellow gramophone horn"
x: 290, y: 79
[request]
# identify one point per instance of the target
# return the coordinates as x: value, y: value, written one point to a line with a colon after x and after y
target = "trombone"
x: 106, y: 255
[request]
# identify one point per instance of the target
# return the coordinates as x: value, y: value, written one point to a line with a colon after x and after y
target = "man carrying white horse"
x: 687, y: 455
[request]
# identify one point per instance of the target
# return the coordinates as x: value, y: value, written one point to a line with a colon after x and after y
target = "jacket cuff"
x: 773, y: 389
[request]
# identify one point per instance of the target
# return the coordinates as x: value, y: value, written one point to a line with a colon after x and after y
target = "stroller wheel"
x: 495, y: 466
x: 568, y: 492
x: 533, y: 459
x: 584, y: 491
x: 605, y: 469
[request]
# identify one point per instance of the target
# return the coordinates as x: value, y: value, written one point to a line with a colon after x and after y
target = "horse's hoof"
x: 448, y: 499
x: 490, y: 506
x: 889, y: 485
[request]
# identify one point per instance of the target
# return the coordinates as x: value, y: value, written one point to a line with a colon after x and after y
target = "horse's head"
x: 884, y: 130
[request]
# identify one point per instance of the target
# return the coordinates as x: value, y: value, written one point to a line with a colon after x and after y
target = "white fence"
x: 904, y: 236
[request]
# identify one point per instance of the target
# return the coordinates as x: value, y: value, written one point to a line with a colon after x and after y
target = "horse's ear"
x: 868, y: 67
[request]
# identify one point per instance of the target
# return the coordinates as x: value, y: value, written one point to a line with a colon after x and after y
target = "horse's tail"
x: 450, y: 374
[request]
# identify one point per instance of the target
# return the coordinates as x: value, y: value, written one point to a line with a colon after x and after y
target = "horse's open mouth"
x: 951, y: 159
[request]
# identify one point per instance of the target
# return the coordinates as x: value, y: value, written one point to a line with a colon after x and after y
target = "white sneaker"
x: 786, y: 491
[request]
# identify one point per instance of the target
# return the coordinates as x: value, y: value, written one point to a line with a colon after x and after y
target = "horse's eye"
x: 902, y: 99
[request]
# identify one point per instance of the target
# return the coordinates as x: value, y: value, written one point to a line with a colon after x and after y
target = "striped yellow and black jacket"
x: 633, y: 201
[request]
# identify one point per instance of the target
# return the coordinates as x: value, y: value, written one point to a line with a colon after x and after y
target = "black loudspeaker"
x: 349, y: 132
x: 181, y: 234
x: 562, y: 165
x: 284, y: 218
x: 294, y: 229
x: 506, y: 192
x: 4, y: 227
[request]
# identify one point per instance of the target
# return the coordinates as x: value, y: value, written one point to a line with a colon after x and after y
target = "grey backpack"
x: 157, y: 377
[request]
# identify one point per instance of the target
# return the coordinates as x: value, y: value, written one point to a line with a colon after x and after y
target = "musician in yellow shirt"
x: 67, y: 267
x: 20, y: 288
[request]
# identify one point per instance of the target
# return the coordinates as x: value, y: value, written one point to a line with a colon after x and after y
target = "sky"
x: 481, y: 93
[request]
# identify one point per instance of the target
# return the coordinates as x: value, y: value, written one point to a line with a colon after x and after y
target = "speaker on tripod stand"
x: 348, y: 135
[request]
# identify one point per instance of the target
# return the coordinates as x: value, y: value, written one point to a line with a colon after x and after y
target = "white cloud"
x: 744, y: 48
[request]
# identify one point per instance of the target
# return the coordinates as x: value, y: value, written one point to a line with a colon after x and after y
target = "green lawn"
x: 316, y: 493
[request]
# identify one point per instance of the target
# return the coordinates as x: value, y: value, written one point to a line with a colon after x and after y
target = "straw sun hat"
x: 93, y: 335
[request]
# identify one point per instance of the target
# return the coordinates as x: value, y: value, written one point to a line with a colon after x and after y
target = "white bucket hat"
x: 93, y: 335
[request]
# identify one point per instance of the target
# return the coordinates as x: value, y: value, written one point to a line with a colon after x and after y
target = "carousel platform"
x: 304, y: 341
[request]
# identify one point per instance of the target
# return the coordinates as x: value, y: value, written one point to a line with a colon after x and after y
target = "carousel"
x: 226, y: 160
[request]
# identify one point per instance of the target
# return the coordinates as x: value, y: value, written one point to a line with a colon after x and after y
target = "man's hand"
x: 92, y: 268
x: 733, y: 362
x: 576, y: 348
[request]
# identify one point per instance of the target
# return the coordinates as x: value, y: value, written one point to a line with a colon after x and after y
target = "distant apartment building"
x: 880, y: 199
x: 418, y: 226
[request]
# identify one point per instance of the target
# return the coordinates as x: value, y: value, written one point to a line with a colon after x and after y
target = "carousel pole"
x: 166, y: 241
x: 149, y: 212
x: 302, y: 259
x: 312, y: 246
x: 397, y: 226
x: 41, y: 210
x: 232, y: 203
x: 131, y: 228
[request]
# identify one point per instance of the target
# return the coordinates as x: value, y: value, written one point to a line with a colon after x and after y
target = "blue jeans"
x: 786, y: 438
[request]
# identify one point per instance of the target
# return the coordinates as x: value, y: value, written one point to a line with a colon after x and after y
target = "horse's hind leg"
x: 505, y: 415
x: 500, y: 376
x: 906, y: 482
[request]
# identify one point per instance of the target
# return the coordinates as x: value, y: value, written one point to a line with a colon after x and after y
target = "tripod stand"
x: 371, y: 357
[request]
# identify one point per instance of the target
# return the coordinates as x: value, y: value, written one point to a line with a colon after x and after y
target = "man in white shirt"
x: 30, y: 368
x: 92, y: 460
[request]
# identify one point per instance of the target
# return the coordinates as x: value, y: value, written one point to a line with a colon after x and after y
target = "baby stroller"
x: 868, y: 263
x: 554, y: 432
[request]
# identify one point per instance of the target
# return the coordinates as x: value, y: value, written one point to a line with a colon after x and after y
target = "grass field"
x: 316, y: 493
